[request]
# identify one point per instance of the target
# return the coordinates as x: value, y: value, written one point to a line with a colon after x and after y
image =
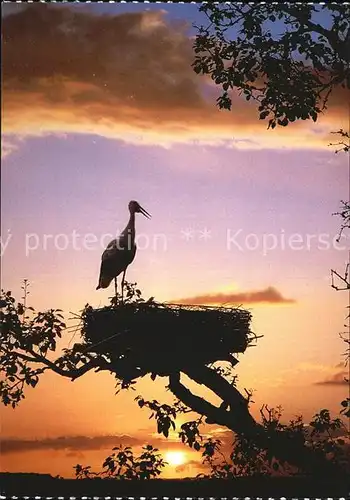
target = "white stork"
x: 120, y: 252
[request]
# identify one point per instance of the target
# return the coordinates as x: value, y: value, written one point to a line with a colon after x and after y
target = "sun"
x: 175, y: 458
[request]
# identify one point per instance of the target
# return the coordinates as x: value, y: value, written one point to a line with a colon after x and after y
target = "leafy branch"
x: 26, y: 344
x: 124, y: 465
x: 277, y: 56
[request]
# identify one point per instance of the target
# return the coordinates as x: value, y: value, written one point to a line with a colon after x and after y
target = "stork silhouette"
x: 120, y: 252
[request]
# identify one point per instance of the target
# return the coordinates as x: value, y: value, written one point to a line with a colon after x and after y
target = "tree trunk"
x: 234, y: 415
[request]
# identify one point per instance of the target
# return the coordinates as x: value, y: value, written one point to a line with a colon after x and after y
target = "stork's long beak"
x: 144, y: 212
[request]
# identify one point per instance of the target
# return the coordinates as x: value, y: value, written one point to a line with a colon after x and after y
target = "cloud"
x: 74, y: 445
x: 126, y: 76
x: 269, y: 295
x: 75, y: 454
x: 317, y: 367
x: 8, y: 146
x: 336, y: 379
x: 193, y: 466
x: 69, y: 443
x: 340, y: 364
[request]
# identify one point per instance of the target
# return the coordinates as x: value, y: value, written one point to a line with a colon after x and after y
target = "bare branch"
x: 344, y: 279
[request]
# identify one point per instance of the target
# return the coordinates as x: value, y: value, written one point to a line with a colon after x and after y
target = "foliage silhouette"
x: 322, y: 435
x: 25, y: 347
x: 285, y: 56
x: 122, y: 464
x: 341, y: 282
x: 344, y: 143
x: 24, y: 344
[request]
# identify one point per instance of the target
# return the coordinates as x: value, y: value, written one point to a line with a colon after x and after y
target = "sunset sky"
x: 101, y: 106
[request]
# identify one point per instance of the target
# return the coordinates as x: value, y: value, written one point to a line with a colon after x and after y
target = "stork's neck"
x: 130, y: 228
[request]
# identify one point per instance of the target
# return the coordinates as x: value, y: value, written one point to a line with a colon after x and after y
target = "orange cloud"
x: 193, y: 466
x: 71, y: 443
x: 76, y: 444
x: 336, y: 379
x: 269, y: 295
x: 129, y: 77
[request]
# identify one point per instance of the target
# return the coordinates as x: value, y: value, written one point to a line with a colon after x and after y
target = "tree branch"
x: 242, y: 421
x: 73, y: 374
x: 26, y: 358
x: 239, y: 420
x: 344, y: 279
x: 313, y: 27
x: 198, y: 404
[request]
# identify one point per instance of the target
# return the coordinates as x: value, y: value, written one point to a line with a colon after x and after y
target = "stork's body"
x: 120, y: 252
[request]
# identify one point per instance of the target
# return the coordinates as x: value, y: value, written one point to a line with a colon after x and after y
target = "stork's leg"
x: 116, y: 289
x: 123, y: 280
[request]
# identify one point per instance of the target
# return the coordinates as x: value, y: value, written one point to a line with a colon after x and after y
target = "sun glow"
x: 175, y: 458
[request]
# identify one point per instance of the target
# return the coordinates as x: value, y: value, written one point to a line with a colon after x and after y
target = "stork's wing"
x: 110, y: 250
x: 115, y: 260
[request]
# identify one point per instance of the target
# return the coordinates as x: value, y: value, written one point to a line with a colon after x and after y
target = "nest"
x: 162, y: 338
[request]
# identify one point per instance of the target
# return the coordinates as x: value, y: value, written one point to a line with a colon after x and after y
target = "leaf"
x: 313, y: 115
x: 20, y: 309
x: 196, y: 446
x: 283, y: 122
x: 263, y: 115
